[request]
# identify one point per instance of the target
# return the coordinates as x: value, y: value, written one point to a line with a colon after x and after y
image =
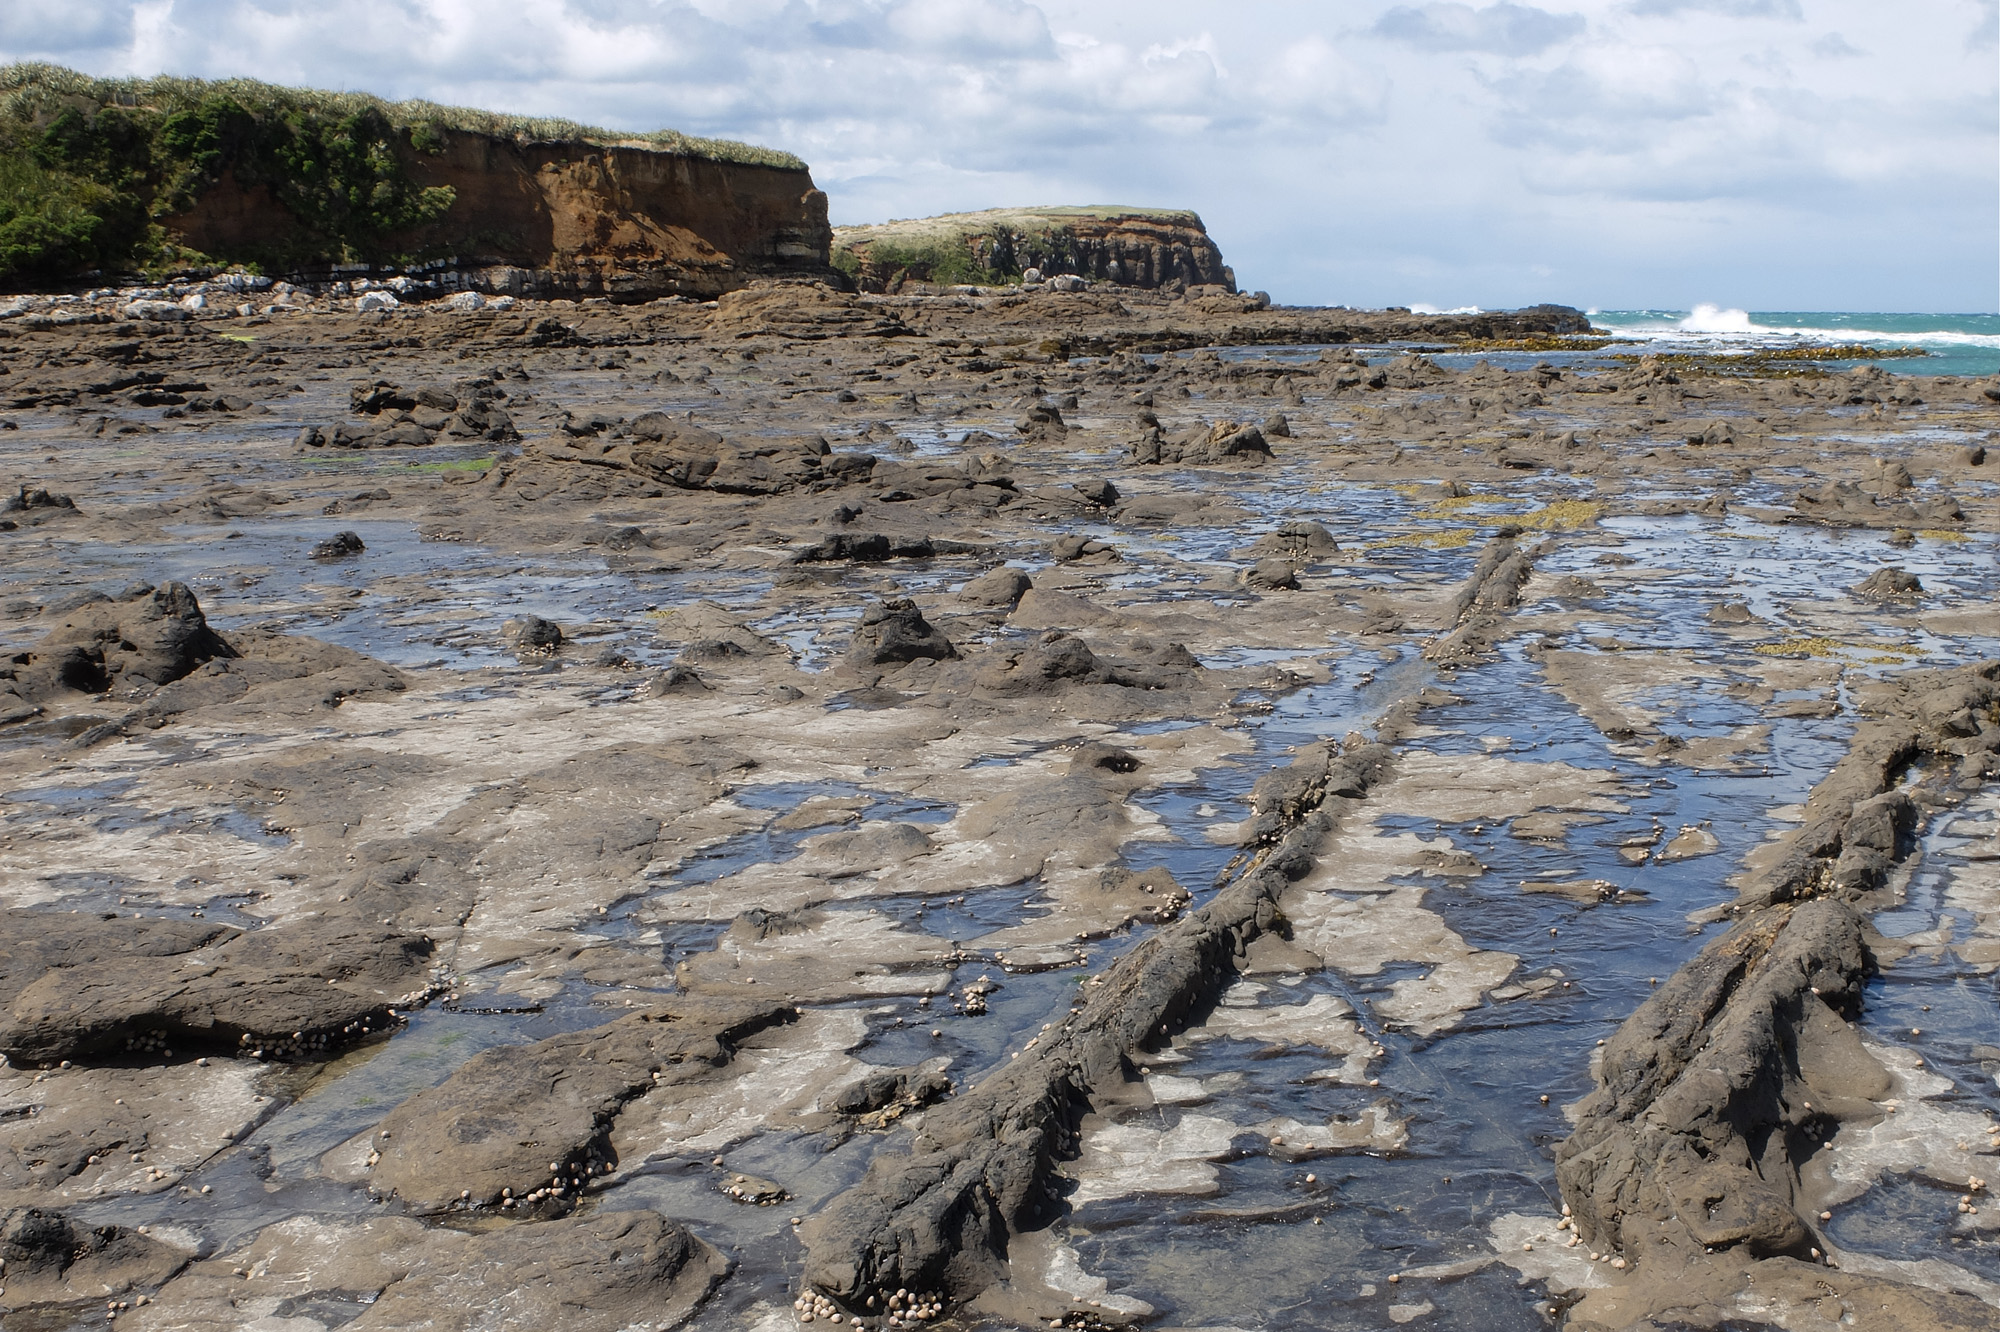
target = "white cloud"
x: 1747, y: 9
x: 83, y: 25
x: 1833, y: 46
x: 1604, y: 152
x: 1501, y: 29
x: 1986, y: 35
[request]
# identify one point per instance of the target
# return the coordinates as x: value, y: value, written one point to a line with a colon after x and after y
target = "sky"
x: 1613, y: 154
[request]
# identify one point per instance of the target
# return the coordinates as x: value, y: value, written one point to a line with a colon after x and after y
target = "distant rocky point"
x: 1137, y: 247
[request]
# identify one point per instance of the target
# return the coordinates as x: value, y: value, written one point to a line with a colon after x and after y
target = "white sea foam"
x: 1730, y: 327
x: 1714, y: 319
x: 1423, y: 308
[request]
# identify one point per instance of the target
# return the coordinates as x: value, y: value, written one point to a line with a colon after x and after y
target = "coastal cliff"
x: 1136, y: 247
x: 571, y: 219
x: 101, y: 177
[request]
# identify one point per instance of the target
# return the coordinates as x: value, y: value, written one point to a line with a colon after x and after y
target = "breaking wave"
x: 1714, y: 319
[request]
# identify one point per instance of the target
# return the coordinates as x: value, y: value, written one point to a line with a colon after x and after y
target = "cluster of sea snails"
x: 154, y: 1042
x: 904, y: 1308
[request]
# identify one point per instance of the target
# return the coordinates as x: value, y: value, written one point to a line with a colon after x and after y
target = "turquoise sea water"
x: 1956, y: 344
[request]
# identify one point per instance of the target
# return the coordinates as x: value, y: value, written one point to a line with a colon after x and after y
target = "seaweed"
x: 1808, y: 361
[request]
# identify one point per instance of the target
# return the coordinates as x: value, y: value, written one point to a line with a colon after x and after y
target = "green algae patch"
x: 1802, y: 647
x: 1454, y: 504
x: 1561, y: 516
x: 1548, y: 342
x: 1557, y: 516
x: 1450, y: 538
x: 1803, y: 362
x: 1824, y: 647
x: 451, y: 465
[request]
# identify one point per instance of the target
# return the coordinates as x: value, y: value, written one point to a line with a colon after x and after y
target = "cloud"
x: 1833, y: 46
x: 1502, y: 29
x: 1987, y: 35
x: 968, y: 29
x: 1744, y: 9
x: 80, y: 25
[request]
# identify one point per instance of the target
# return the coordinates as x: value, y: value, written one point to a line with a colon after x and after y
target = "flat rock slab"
x: 76, y: 1134
x: 614, y: 1270
x: 528, y: 1126
x: 79, y: 986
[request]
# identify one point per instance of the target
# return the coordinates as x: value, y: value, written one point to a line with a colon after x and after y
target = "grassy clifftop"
x: 90, y: 167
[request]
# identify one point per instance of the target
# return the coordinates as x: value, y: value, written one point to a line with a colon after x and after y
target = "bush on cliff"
x: 53, y: 223
x: 948, y: 262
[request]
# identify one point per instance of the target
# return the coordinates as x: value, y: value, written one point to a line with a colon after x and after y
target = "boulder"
x: 1055, y: 661
x: 677, y: 679
x: 1224, y: 443
x: 147, y: 637
x: 1043, y: 424
x: 679, y: 453
x: 872, y: 547
x: 1098, y: 492
x: 895, y: 632
x: 531, y: 633
x: 1273, y: 575
x: 38, y: 504
x: 1296, y: 541
x: 1889, y: 584
x: 1077, y: 547
x: 891, y: 1087
x: 1002, y: 588
x: 1096, y: 756
x: 339, y: 546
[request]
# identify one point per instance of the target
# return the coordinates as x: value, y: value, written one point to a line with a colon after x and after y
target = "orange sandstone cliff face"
x: 577, y: 219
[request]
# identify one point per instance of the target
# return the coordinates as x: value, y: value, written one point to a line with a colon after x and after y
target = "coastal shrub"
x: 53, y: 223
x: 948, y: 261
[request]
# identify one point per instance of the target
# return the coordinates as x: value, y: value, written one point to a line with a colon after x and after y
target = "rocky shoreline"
x: 988, y: 806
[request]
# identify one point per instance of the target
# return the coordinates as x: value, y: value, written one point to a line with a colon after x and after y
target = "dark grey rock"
x: 894, y: 633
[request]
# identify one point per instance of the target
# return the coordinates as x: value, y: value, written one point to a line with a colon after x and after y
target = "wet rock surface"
x: 80, y: 986
x: 1087, y: 804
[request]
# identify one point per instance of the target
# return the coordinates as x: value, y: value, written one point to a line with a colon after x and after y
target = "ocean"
x: 1954, y: 344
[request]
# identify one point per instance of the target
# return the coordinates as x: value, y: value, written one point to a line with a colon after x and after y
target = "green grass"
x: 452, y: 465
x: 32, y: 88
